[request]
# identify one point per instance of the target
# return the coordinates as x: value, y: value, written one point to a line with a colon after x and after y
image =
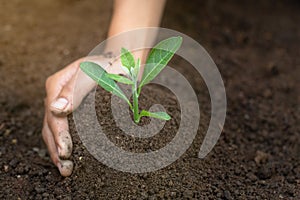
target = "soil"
x: 256, y: 46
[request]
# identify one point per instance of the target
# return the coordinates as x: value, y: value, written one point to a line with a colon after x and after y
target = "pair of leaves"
x: 158, y: 58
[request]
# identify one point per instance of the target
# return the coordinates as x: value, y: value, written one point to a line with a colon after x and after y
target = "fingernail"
x: 65, y: 167
x: 60, y: 103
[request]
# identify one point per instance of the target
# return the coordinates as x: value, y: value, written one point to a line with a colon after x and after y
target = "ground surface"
x: 256, y: 47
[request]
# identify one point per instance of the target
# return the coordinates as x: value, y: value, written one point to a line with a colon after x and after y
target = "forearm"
x: 132, y: 14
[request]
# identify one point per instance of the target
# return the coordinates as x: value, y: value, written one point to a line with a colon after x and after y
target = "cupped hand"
x: 61, y: 101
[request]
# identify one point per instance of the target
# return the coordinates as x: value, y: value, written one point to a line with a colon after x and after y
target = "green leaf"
x: 125, y: 70
x: 127, y: 59
x: 158, y: 115
x: 159, y: 57
x: 98, y: 74
x: 137, y: 68
x: 120, y: 79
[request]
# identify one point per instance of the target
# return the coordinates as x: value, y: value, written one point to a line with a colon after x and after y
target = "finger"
x: 72, y: 94
x: 49, y: 140
x: 65, y: 167
x: 60, y: 130
x: 56, y: 82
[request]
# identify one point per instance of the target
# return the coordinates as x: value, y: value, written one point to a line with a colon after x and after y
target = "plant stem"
x: 136, y: 115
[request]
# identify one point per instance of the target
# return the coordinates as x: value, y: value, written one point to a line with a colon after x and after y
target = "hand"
x: 61, y: 101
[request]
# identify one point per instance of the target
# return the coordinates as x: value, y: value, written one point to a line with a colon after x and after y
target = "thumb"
x: 72, y: 93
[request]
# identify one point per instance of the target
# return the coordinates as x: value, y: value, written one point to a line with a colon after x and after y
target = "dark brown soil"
x: 256, y: 45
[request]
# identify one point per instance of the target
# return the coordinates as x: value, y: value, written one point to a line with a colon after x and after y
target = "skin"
x: 60, y: 100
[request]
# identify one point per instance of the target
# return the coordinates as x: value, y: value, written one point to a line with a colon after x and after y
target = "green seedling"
x: 158, y: 58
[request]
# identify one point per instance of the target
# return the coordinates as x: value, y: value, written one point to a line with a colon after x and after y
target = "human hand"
x: 61, y: 101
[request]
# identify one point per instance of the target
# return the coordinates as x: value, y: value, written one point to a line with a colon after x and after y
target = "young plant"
x: 158, y: 58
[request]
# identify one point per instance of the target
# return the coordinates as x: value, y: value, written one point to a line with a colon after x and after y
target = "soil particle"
x: 227, y: 195
x: 13, y: 163
x: 39, y: 189
x: 261, y: 157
